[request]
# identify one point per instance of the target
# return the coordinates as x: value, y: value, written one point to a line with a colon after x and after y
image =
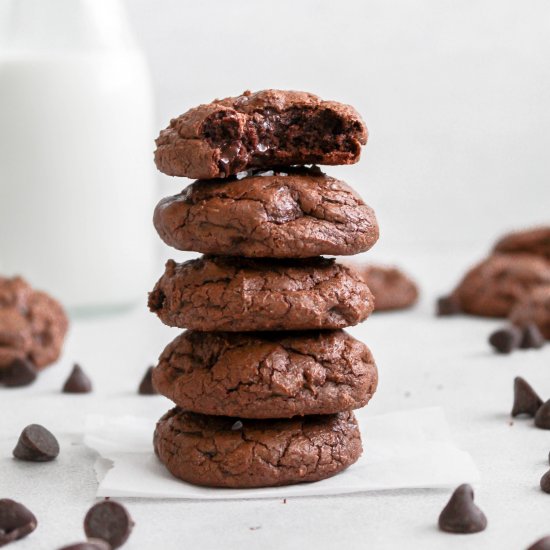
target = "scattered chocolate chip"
x: 447, y: 305
x: 108, y: 521
x: 532, y: 337
x: 461, y: 515
x: 90, y: 544
x: 36, y: 444
x: 541, y: 544
x: 146, y: 386
x: 18, y: 373
x: 16, y: 521
x: 526, y: 399
x: 542, y: 418
x: 237, y: 425
x: 545, y: 482
x: 505, y: 339
x: 78, y: 381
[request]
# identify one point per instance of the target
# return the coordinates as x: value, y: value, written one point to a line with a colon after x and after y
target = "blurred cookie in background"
x: 32, y: 329
x: 391, y: 287
x: 493, y: 287
x: 531, y: 241
x: 534, y: 307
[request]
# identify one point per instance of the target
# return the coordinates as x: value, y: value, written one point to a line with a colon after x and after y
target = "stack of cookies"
x: 264, y: 379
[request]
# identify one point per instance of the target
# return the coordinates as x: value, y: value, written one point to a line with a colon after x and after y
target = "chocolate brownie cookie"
x: 266, y: 375
x: 531, y: 241
x: 493, y: 287
x: 295, y: 214
x: 534, y: 307
x: 259, y: 130
x: 391, y: 288
x: 219, y: 451
x: 32, y: 324
x: 215, y: 293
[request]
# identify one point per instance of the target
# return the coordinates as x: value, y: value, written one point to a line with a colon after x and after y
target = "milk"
x: 76, y: 171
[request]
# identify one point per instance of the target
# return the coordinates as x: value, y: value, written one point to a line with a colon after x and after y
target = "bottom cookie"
x: 228, y: 452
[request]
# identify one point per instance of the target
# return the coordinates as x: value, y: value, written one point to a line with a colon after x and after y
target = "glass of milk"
x: 76, y: 170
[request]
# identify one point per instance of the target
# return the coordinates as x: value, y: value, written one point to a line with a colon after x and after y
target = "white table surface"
x: 423, y: 361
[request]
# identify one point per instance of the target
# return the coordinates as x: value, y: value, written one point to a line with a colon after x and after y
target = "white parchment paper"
x: 406, y: 449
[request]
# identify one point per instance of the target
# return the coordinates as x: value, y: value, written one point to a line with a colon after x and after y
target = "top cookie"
x: 32, y: 324
x: 259, y: 130
x: 531, y: 241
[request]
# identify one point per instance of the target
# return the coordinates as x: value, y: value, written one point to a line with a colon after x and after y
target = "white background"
x: 456, y: 96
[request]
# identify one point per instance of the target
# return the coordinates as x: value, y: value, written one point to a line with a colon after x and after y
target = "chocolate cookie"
x: 32, y: 324
x: 259, y: 130
x: 218, y: 451
x: 295, y: 214
x: 534, y: 307
x: 391, y: 288
x: 493, y: 287
x: 215, y: 293
x: 266, y: 375
x: 531, y: 241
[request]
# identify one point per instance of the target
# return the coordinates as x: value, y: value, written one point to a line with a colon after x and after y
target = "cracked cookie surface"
x: 260, y: 130
x: 296, y: 214
x: 534, y: 307
x: 494, y: 286
x: 266, y: 375
x: 32, y: 324
x: 531, y: 241
x: 216, y: 293
x: 218, y: 451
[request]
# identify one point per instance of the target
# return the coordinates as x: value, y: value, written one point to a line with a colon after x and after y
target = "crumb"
x: 255, y: 528
x: 284, y: 501
x: 511, y: 423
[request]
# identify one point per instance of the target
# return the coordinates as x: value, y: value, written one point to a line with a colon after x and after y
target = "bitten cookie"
x: 532, y: 241
x: 218, y: 451
x: 259, y: 130
x: 534, y: 307
x: 296, y: 214
x: 216, y: 293
x: 392, y: 289
x: 32, y: 324
x: 493, y: 287
x: 266, y: 375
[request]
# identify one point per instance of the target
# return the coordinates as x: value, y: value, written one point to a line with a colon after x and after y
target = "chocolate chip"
x: 526, y: 399
x: 146, y: 386
x: 16, y: 521
x: 36, y: 444
x: 108, y: 521
x: 542, y: 418
x: 90, y: 544
x: 447, y: 305
x: 505, y: 339
x: 541, y: 544
x: 461, y: 515
x: 77, y: 382
x: 237, y: 426
x: 545, y: 482
x: 532, y: 337
x: 18, y: 373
